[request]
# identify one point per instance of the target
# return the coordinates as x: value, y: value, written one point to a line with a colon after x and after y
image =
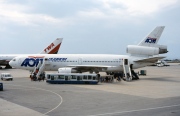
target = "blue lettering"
x: 154, y: 40
x: 24, y: 63
x: 150, y: 40
x: 57, y: 59
x: 64, y: 58
x: 147, y: 41
x: 31, y: 62
x: 38, y: 62
x: 50, y: 59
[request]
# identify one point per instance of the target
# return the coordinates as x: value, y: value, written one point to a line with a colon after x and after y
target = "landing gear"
x: 110, y: 73
x: 119, y: 76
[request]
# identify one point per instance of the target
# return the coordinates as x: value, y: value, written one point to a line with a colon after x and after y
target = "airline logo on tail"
x: 150, y: 40
x: 53, y: 48
x: 49, y: 47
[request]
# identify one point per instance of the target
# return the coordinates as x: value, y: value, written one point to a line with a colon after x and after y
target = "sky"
x: 87, y: 26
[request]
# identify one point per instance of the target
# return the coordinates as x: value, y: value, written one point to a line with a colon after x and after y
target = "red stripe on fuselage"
x: 36, y: 56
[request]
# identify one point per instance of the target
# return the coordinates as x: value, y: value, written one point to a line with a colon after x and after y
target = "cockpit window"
x: 14, y: 59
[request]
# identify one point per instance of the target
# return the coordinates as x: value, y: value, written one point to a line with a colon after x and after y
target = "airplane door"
x: 125, y: 61
x: 19, y: 62
x: 80, y: 61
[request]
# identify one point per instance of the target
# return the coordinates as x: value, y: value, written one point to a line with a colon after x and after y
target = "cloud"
x: 140, y: 7
x: 91, y: 14
x: 126, y: 9
x: 122, y: 10
x: 20, y: 14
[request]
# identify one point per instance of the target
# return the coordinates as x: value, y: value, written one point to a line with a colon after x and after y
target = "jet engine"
x: 146, y: 50
x: 67, y: 70
x: 162, y: 49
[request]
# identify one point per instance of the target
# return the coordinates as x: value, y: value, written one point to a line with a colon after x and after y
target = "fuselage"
x: 103, y: 62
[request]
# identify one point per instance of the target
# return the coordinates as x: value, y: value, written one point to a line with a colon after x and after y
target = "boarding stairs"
x: 127, y: 70
x: 39, y: 68
x: 134, y: 75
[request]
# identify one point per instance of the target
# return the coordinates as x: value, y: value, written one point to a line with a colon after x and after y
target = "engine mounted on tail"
x: 148, y: 46
x: 144, y: 50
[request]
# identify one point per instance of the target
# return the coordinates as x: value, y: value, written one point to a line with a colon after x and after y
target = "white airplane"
x: 53, y: 48
x: 161, y: 63
x: 143, y: 54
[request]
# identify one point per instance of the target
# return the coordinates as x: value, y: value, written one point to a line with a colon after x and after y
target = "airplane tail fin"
x: 53, y: 48
x: 152, y: 38
x: 148, y: 46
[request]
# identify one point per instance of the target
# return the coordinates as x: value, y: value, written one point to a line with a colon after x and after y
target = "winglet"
x: 53, y: 48
x: 152, y: 38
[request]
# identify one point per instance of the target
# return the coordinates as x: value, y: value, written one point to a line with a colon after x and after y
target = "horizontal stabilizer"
x: 150, y: 60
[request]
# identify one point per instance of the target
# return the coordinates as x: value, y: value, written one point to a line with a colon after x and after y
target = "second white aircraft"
x: 53, y: 48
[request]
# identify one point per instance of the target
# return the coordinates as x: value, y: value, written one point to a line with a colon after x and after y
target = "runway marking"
x: 47, y: 91
x: 136, y: 110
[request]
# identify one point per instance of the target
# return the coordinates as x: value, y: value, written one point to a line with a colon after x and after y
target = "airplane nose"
x: 12, y: 64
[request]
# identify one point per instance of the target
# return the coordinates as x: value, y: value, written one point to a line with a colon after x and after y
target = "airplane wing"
x: 85, y: 68
x: 150, y: 60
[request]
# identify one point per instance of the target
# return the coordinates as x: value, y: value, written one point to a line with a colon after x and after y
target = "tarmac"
x: 156, y: 94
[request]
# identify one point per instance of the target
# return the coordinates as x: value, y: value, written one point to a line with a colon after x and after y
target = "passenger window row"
x: 100, y: 61
x: 91, y: 61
